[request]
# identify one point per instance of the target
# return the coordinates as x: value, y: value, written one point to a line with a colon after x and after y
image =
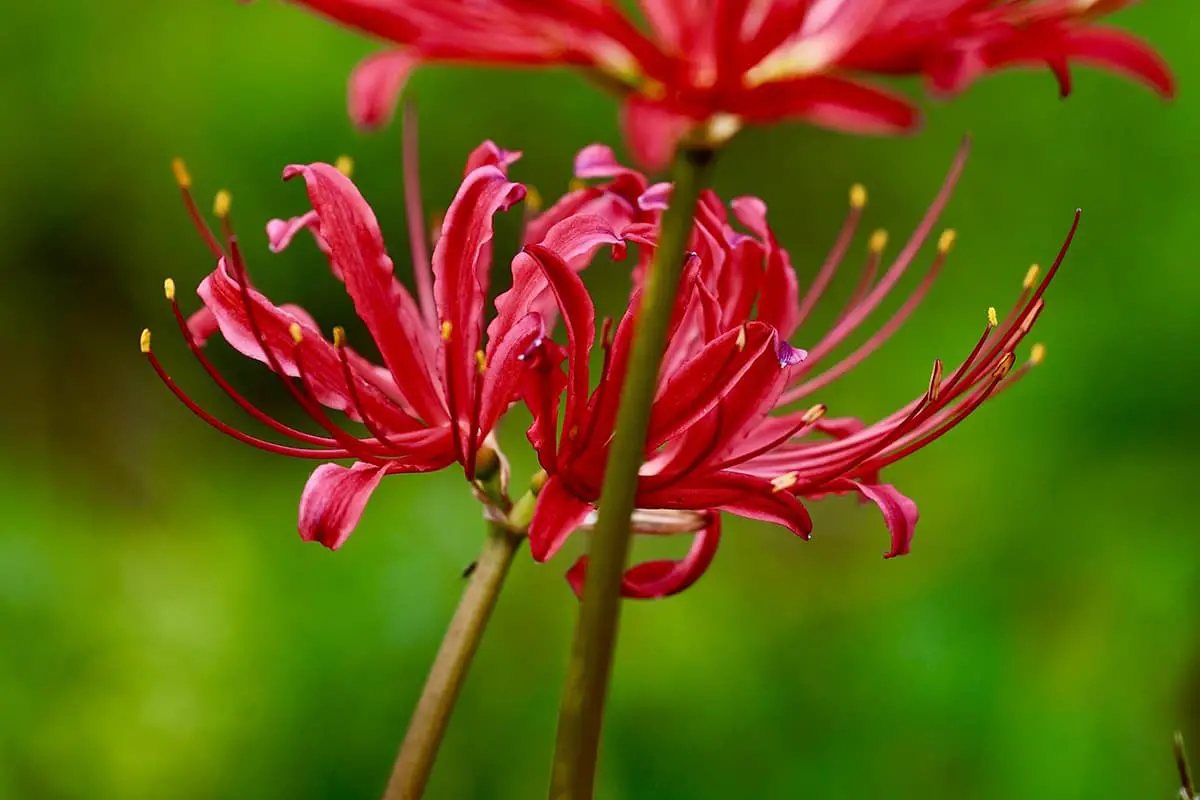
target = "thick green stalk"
x: 582, y: 709
x: 417, y: 753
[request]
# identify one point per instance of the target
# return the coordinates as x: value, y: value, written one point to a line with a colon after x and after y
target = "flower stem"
x: 417, y: 753
x: 581, y: 712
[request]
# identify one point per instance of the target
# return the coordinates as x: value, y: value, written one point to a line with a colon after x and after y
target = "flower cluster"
x: 725, y: 433
x: 725, y: 62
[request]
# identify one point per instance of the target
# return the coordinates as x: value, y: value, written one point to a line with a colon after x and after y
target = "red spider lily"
x: 722, y: 62
x: 714, y: 443
x: 440, y: 390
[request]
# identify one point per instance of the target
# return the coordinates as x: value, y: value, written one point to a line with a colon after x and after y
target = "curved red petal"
x: 557, y: 515
x: 375, y: 86
x: 656, y: 579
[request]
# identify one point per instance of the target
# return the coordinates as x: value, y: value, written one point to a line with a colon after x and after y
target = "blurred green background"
x: 165, y: 634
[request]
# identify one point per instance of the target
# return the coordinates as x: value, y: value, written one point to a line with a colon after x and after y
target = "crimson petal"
x: 333, y: 501
x: 655, y: 579
x: 557, y: 515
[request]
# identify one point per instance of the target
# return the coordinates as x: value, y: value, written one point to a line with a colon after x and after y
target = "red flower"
x: 713, y: 442
x: 722, y: 62
x: 440, y: 390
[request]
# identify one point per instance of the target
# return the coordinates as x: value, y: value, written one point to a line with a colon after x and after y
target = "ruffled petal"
x: 281, y: 232
x: 333, y: 501
x: 557, y: 515
x: 744, y: 495
x: 461, y: 269
x: 506, y: 364
x: 375, y: 86
x: 348, y: 225
x: 655, y: 579
x: 579, y: 318
x: 899, y: 512
x: 323, y: 370
x: 832, y: 103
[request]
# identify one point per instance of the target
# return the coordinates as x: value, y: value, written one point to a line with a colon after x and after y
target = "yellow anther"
x: 741, y: 339
x: 1031, y: 276
x: 946, y: 240
x: 145, y: 340
x: 447, y: 328
x: 344, y: 165
x: 169, y: 288
x: 784, y: 481
x: 481, y: 361
x: 1004, y: 366
x: 182, y: 176
x: 297, y: 334
x: 814, y: 414
x: 858, y: 196
x: 533, y: 199
x: 221, y: 204
x: 993, y: 320
x: 339, y: 336
x: 1037, y: 354
x: 577, y: 185
x: 879, y: 240
x: 935, y: 381
x: 538, y: 481
x: 654, y: 90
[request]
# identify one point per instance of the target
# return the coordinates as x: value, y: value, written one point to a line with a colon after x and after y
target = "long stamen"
x: 225, y: 386
x: 806, y: 422
x: 339, y: 344
x: 422, y: 267
x: 476, y: 413
x: 875, y: 250
x: 184, y: 179
x: 451, y: 384
x: 890, y: 278
x: 884, y: 333
x: 310, y: 405
x: 357, y: 447
x: 234, y: 433
x: 858, y: 200
x: 924, y: 439
x: 909, y: 423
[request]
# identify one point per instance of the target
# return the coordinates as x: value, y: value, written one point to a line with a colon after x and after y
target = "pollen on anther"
x: 946, y: 240
x: 447, y: 328
x: 297, y: 334
x: 481, y: 361
x: 935, y: 381
x: 858, y: 196
x: 993, y: 320
x: 182, y: 176
x: 1037, y: 354
x: 1031, y: 276
x: 784, y: 481
x: 879, y: 240
x: 814, y: 414
x: 169, y: 288
x: 533, y: 199
x: 344, y: 165
x: 339, y: 337
x: 1004, y: 366
x: 144, y: 342
x: 221, y: 204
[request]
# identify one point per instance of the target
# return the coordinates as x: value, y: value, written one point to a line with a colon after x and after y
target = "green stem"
x: 581, y: 713
x: 425, y: 731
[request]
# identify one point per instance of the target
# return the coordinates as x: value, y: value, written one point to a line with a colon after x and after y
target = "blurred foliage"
x: 166, y: 634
